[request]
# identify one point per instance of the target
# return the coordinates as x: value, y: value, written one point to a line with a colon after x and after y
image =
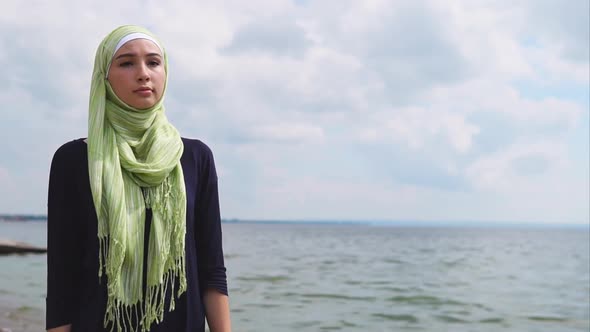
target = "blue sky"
x: 330, y: 110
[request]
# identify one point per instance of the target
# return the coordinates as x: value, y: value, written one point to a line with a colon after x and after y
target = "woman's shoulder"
x: 71, y: 148
x: 197, y: 147
x: 69, y: 154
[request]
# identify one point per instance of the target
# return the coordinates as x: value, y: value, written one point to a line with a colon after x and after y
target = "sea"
x: 368, y: 277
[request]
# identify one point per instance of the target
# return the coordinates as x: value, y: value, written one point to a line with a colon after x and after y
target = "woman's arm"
x: 65, y: 328
x: 217, y: 311
x: 63, y: 249
x: 212, y: 272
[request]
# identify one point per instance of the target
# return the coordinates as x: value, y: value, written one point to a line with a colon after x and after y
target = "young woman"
x: 134, y: 233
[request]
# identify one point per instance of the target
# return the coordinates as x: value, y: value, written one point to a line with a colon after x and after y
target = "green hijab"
x: 134, y: 164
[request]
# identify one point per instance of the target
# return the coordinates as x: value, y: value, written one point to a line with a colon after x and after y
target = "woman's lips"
x: 144, y: 92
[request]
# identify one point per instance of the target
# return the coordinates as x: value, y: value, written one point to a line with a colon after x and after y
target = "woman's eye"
x: 154, y: 63
x: 125, y: 64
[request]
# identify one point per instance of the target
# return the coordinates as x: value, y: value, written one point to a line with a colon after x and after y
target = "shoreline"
x: 18, y: 318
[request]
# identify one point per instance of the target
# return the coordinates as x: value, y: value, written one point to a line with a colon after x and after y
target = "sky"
x: 471, y: 111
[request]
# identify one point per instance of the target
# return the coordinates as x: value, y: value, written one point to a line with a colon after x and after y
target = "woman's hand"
x: 217, y: 311
x: 65, y: 328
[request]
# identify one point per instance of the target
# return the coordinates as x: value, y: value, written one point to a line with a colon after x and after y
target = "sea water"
x: 325, y: 277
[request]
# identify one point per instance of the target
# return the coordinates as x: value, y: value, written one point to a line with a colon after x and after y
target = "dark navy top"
x: 75, y: 295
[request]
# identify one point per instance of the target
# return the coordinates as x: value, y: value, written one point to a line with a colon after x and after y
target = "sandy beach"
x: 21, y: 319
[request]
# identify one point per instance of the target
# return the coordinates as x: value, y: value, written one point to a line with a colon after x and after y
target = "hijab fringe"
x: 153, y: 305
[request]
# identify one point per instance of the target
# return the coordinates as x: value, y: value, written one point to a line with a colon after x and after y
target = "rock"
x: 13, y: 247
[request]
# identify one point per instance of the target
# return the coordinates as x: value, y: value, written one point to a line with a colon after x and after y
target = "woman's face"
x: 137, y: 73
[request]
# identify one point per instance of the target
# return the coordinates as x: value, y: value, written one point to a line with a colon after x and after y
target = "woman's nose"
x: 143, y: 73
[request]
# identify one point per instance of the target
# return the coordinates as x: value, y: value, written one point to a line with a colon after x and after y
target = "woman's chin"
x: 142, y: 105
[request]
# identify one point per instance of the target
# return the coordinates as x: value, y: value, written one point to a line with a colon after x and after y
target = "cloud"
x: 416, y: 126
x: 564, y: 25
x: 289, y: 132
x: 4, y: 176
x: 404, y: 47
x: 276, y: 35
x: 382, y: 109
x: 503, y: 170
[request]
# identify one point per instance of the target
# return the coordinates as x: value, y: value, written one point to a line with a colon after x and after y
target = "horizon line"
x: 374, y: 222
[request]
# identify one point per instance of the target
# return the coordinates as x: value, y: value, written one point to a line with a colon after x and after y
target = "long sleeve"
x: 62, y: 248
x: 212, y: 271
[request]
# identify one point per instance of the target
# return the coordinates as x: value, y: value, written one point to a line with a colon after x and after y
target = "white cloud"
x: 4, y: 177
x: 331, y: 108
x: 485, y: 34
x: 289, y: 132
x: 415, y: 127
x: 504, y: 170
x: 501, y: 98
x: 556, y: 68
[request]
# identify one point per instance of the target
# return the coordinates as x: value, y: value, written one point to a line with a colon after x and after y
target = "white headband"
x: 129, y: 37
x: 135, y: 35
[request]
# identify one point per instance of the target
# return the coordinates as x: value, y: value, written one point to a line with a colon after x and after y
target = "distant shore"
x: 22, y: 217
x: 378, y: 223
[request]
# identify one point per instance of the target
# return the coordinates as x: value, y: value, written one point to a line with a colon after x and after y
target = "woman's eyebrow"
x: 125, y: 55
x: 130, y: 55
